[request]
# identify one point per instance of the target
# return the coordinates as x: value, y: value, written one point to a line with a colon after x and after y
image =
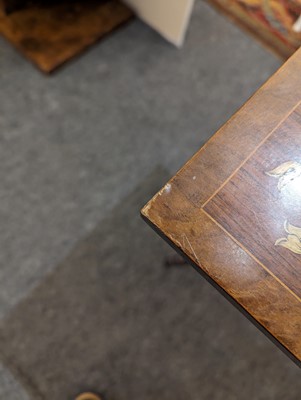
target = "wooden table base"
x: 50, y: 35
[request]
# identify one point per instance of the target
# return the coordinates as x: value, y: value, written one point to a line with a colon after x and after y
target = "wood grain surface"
x: 234, y: 209
x: 51, y: 34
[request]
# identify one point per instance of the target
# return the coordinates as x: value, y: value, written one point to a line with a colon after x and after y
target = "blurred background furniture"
x: 49, y: 33
x: 273, y: 22
x: 169, y: 17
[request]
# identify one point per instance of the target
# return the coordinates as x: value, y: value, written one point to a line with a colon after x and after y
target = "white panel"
x: 168, y: 17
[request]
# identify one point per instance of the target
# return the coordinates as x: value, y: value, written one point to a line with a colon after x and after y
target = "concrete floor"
x: 73, y: 145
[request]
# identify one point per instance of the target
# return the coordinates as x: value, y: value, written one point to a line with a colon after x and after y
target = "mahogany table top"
x: 234, y: 209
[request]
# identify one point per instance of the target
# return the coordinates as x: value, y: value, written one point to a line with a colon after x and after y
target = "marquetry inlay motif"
x: 293, y: 239
x: 287, y: 173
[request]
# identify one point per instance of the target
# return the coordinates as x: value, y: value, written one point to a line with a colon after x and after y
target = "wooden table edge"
x: 225, y: 294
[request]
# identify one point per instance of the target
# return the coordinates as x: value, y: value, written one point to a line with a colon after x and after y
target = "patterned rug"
x: 276, y: 23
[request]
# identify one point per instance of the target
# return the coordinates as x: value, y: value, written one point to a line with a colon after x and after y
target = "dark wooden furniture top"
x: 234, y: 209
x: 51, y: 32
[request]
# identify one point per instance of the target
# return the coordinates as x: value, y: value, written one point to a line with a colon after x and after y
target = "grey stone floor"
x: 73, y: 145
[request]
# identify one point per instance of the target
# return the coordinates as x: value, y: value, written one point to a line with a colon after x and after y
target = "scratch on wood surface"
x: 192, y: 249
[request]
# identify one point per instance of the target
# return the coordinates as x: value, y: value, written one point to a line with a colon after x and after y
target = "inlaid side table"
x: 234, y: 209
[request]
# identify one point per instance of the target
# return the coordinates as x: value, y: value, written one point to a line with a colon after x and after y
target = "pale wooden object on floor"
x: 168, y: 17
